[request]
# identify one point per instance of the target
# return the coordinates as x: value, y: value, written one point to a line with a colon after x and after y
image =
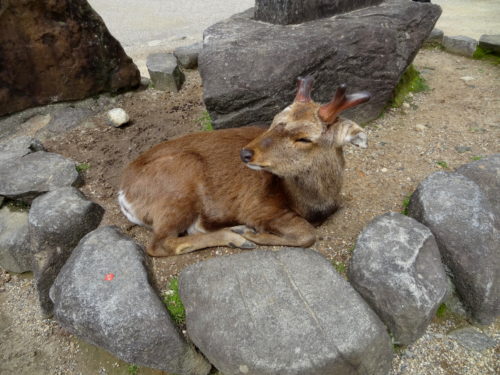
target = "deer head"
x: 305, y: 132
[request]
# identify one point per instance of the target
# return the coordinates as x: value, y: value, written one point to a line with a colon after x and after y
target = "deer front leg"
x: 295, y: 231
x: 169, y: 246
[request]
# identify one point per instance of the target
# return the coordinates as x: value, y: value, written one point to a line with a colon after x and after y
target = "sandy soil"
x: 454, y: 122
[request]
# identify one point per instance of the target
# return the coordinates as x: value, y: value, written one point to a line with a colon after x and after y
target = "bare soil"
x: 456, y: 121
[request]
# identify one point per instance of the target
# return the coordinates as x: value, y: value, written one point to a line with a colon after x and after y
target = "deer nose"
x: 246, y: 155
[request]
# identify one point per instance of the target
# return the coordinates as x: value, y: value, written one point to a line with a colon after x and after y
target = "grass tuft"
x: 406, y: 203
x: 206, y: 122
x: 172, y: 300
x: 487, y: 55
x: 82, y: 167
x: 410, y: 81
x: 476, y: 158
x: 133, y: 369
x: 442, y: 164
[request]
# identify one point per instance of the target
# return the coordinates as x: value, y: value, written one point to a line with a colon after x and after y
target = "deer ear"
x: 329, y: 112
x: 360, y: 140
x: 347, y: 131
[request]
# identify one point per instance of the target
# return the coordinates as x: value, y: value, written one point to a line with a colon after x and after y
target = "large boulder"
x: 396, y: 267
x: 486, y: 173
x: 286, y: 312
x: 455, y: 209
x: 103, y: 295
x: 57, y: 50
x: 285, y: 12
x: 15, y: 250
x: 249, y: 68
x: 57, y: 222
x: 27, y: 177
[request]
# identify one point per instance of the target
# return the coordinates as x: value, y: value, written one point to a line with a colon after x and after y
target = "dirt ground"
x: 456, y: 121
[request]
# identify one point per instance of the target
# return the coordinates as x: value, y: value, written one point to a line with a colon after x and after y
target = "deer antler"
x: 329, y: 112
x: 304, y: 87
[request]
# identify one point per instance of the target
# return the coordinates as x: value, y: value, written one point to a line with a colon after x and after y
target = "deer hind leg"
x: 284, y: 231
x: 168, y: 246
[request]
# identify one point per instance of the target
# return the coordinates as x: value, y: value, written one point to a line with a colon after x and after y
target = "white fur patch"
x: 127, y: 209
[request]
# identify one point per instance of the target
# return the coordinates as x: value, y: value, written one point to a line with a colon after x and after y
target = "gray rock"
x: 164, y: 72
x: 187, y: 56
x: 19, y: 147
x: 462, y: 149
x: 436, y: 36
x: 285, y: 12
x: 490, y: 43
x: 285, y: 312
x: 467, y: 232
x: 57, y: 222
x: 36, y: 173
x: 64, y: 120
x: 15, y: 250
x: 472, y: 339
x: 103, y: 295
x: 249, y: 68
x: 396, y: 267
x: 460, y: 45
x: 486, y: 173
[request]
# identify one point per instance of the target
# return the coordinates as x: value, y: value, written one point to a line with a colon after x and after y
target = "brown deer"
x: 195, y: 192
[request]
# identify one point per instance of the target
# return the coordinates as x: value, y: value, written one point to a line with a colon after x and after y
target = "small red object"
x: 109, y: 277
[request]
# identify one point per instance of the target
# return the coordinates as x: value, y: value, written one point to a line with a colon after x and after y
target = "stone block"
x: 164, y: 72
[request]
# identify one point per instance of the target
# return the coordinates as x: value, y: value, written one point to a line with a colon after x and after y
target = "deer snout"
x: 246, y: 155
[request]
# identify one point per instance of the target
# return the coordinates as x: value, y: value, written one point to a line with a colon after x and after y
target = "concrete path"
x: 147, y: 26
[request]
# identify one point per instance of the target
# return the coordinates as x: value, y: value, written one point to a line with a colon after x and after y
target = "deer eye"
x: 303, y: 140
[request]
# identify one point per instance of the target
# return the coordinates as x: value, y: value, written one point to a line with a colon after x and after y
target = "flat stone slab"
x: 249, y: 68
x: 396, y: 267
x: 457, y: 212
x: 36, y: 173
x: 285, y: 312
x: 460, y: 45
x: 472, y: 339
x: 19, y: 147
x: 164, y: 72
x: 57, y: 222
x: 15, y: 249
x: 103, y: 295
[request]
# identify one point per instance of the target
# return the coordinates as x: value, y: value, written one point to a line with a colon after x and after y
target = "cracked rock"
x: 284, y: 312
x: 396, y: 267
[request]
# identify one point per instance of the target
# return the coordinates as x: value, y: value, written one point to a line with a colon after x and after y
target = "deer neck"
x: 315, y: 193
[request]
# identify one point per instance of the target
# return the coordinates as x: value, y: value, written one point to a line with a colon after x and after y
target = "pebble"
x: 467, y: 78
x: 420, y: 127
x: 384, y: 170
x: 117, y: 117
x: 462, y: 149
x: 406, y: 105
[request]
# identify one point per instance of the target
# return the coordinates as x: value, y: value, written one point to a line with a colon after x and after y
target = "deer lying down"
x: 289, y: 180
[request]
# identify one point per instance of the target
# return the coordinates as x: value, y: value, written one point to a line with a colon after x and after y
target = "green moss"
x: 475, y: 158
x: 133, y: 369
x: 487, y: 55
x: 206, y: 122
x: 82, y: 167
x: 173, y: 302
x: 441, y: 311
x: 16, y: 206
x: 410, y: 81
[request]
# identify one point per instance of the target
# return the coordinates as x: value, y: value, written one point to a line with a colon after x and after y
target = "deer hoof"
x: 247, y: 245
x: 242, y: 229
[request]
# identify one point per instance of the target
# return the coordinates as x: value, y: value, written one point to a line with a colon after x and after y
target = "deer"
x: 247, y: 186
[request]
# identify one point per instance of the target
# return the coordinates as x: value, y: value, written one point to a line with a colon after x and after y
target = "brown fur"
x: 198, y: 184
